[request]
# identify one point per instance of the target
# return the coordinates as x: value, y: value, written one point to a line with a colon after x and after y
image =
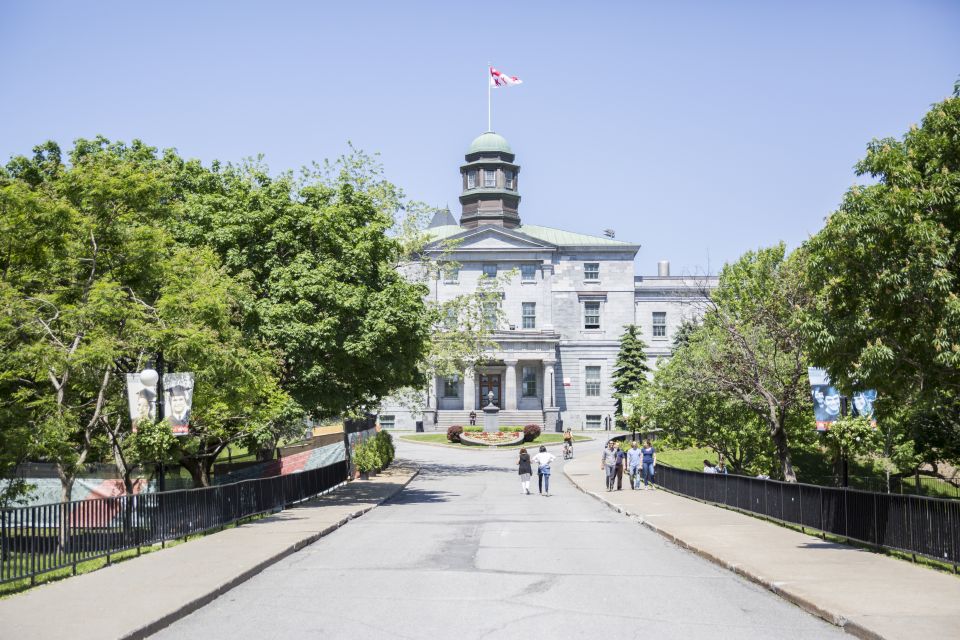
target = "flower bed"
x: 486, y: 439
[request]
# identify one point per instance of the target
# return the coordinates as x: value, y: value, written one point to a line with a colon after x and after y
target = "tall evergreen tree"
x: 632, y: 369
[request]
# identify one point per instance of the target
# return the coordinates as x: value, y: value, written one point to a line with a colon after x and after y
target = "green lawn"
x: 441, y: 438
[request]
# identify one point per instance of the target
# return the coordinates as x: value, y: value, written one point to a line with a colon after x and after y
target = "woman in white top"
x: 543, y: 460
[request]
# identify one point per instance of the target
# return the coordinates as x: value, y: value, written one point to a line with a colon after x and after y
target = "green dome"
x: 489, y: 142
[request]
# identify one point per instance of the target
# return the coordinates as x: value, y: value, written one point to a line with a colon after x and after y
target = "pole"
x: 489, y: 91
x: 161, y: 471
x: 843, y: 451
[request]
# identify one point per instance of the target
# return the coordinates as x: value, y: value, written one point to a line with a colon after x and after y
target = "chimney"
x: 663, y: 268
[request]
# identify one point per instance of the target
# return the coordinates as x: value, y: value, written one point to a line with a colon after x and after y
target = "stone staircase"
x: 507, y: 419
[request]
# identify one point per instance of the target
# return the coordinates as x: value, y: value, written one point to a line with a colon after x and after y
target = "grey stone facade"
x: 563, y: 311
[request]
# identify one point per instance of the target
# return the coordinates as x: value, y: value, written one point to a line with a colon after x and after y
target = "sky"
x: 698, y: 130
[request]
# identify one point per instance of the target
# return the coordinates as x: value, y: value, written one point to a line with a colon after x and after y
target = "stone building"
x: 564, y: 312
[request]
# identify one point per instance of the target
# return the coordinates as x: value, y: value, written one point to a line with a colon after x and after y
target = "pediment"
x: 490, y: 238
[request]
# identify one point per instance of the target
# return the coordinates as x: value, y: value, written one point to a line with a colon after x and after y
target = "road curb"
x: 848, y: 626
x: 186, y: 609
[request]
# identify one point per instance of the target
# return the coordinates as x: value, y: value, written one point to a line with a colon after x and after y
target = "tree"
x: 631, y: 371
x: 327, y: 295
x: 885, y: 274
x: 749, y: 351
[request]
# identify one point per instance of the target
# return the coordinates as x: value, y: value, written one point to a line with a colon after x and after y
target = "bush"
x: 383, y: 443
x: 531, y: 432
x: 366, y: 457
x: 472, y: 429
x: 453, y: 433
x: 511, y: 429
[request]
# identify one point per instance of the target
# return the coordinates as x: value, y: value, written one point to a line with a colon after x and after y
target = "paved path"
x: 461, y: 554
x: 870, y: 594
x: 133, y: 598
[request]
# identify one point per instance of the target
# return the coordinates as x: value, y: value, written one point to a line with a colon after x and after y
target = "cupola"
x: 489, y: 177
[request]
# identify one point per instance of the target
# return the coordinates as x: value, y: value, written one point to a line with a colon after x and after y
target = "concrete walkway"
x: 868, y: 594
x: 135, y: 598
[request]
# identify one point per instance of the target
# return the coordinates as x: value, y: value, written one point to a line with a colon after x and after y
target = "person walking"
x: 621, y: 461
x: 634, y: 458
x: 523, y: 468
x: 708, y: 467
x: 608, y: 463
x: 648, y: 458
x: 543, y: 460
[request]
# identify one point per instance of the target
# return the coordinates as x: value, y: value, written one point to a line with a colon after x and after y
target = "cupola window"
x: 489, y: 177
x: 471, y: 180
x: 508, y: 179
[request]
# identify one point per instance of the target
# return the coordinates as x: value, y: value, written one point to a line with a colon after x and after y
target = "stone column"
x: 547, y: 322
x: 549, y: 385
x: 510, y: 386
x: 469, y: 390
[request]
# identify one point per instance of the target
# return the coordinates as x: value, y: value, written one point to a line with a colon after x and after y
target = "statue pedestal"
x: 491, y: 418
x: 551, y: 420
x: 430, y: 420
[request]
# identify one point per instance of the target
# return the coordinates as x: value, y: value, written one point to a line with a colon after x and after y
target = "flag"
x: 498, y: 79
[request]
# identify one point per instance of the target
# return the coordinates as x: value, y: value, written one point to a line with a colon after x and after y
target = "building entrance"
x: 490, y: 382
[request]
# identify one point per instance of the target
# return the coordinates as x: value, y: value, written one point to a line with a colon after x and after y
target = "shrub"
x: 383, y: 443
x: 453, y: 433
x: 366, y: 457
x: 531, y: 432
x: 472, y: 429
x: 511, y: 429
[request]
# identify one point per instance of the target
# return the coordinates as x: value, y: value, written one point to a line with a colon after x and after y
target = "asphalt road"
x: 461, y: 554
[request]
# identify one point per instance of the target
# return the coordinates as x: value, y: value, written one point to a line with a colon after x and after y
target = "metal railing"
x: 911, y: 524
x: 43, y: 538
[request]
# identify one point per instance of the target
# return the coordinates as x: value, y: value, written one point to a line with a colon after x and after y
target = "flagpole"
x: 489, y: 88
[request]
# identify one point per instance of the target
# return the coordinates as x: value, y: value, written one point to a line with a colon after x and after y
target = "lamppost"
x: 149, y: 377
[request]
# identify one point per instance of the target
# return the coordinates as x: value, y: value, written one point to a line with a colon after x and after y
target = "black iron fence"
x: 912, y: 524
x: 42, y: 538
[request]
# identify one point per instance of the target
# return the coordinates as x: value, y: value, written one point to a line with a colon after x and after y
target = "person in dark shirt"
x: 525, y: 471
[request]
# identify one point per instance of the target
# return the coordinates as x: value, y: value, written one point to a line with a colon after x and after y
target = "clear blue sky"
x: 694, y: 129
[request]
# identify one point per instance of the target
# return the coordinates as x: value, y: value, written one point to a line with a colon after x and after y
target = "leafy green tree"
x: 327, y: 294
x: 748, y: 355
x: 630, y: 374
x: 885, y: 273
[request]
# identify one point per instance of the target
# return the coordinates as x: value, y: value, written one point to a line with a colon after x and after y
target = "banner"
x: 141, y: 400
x: 178, y: 401
x: 826, y: 398
x: 827, y: 402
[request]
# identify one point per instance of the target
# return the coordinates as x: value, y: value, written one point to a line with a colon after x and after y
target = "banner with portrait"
x: 827, y: 401
x: 178, y: 401
x: 141, y: 400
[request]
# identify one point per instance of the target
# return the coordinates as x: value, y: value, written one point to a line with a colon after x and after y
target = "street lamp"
x: 149, y: 377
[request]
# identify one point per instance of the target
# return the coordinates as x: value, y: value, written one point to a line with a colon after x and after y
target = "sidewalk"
x: 135, y: 598
x: 868, y: 594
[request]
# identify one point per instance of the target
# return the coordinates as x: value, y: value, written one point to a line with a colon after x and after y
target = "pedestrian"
x: 543, y: 460
x: 473, y: 418
x: 621, y: 460
x: 608, y: 463
x: 634, y: 456
x: 708, y: 467
x: 523, y: 468
x: 722, y: 468
x: 649, y: 460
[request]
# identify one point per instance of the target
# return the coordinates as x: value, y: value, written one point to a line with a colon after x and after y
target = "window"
x: 387, y: 422
x: 592, y: 379
x: 490, y: 270
x: 450, y: 319
x: 659, y: 324
x: 591, y: 270
x: 508, y: 179
x: 451, y: 387
x: 471, y: 180
x: 528, y: 272
x: 490, y: 315
x: 451, y: 273
x: 593, y: 421
x: 529, y: 382
x: 591, y: 315
x: 489, y: 177
x: 529, y: 315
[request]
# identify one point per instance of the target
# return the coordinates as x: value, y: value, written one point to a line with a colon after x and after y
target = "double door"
x: 490, y: 382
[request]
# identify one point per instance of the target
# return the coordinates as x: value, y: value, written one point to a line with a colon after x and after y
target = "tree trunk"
x: 779, y: 437
x: 199, y: 472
